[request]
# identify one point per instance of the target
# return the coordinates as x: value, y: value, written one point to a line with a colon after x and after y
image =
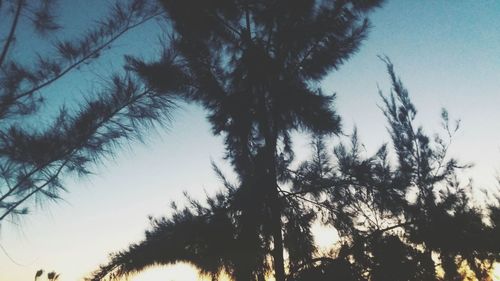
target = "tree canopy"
x: 401, y: 214
x: 36, y: 152
x: 255, y: 67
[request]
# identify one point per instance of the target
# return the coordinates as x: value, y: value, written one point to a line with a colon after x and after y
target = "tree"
x: 213, y: 238
x: 35, y: 154
x: 205, y: 236
x: 403, y: 221
x: 255, y: 66
x: 395, y: 221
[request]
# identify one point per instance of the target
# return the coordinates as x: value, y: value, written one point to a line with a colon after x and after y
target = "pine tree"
x: 255, y: 67
x: 407, y: 220
x: 36, y: 153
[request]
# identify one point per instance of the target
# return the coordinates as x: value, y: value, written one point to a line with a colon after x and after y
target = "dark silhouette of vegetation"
x: 397, y: 222
x: 35, y: 152
x: 255, y: 67
x: 401, y: 214
x: 51, y: 276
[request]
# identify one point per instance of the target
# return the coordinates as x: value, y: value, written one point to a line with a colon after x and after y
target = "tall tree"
x: 36, y: 152
x: 395, y: 221
x: 389, y: 228
x: 255, y: 66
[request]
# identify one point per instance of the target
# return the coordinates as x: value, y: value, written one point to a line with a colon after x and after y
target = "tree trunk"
x: 270, y: 184
x: 279, y: 263
x: 275, y: 207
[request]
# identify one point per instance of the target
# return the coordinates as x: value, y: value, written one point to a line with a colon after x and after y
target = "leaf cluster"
x: 37, y: 150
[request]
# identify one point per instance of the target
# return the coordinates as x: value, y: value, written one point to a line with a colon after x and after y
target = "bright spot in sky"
x: 496, y: 272
x: 324, y: 236
x: 178, y: 272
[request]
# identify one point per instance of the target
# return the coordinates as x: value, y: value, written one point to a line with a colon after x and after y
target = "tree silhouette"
x: 51, y: 276
x: 395, y: 221
x: 255, y: 66
x: 38, y: 274
x: 405, y: 221
x: 35, y: 152
x: 205, y: 236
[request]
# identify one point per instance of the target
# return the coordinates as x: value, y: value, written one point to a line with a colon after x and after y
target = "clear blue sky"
x: 446, y: 52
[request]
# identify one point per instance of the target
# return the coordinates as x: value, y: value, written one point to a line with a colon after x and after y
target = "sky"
x: 446, y: 53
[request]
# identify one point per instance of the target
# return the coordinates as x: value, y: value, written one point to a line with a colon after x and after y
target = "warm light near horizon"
x: 178, y: 272
x: 186, y: 272
x: 324, y: 237
x: 496, y: 272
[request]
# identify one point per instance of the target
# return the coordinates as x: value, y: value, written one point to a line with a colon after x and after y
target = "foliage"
x: 36, y: 152
x: 399, y: 222
x: 51, y: 276
x: 255, y: 67
x: 413, y: 220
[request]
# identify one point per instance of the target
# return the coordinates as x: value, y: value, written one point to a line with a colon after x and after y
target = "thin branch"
x: 247, y: 19
x: 6, y: 180
x: 308, y: 53
x: 10, y: 257
x: 71, y: 151
x: 444, y: 153
x: 50, y: 180
x: 82, y: 60
x: 379, y: 231
x: 309, y: 262
x: 288, y: 194
x: 223, y: 22
x: 13, y: 27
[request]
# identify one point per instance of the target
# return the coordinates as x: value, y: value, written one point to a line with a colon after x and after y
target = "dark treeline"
x: 256, y: 67
x: 409, y: 220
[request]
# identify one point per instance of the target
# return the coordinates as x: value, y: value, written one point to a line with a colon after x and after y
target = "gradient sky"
x: 446, y: 52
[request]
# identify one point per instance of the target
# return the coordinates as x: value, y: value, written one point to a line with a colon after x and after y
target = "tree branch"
x: 13, y: 27
x: 66, y: 155
x: 89, y: 55
x: 37, y: 189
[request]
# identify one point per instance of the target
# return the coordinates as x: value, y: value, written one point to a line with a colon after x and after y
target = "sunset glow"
x: 496, y: 272
x: 162, y: 158
x: 178, y: 272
